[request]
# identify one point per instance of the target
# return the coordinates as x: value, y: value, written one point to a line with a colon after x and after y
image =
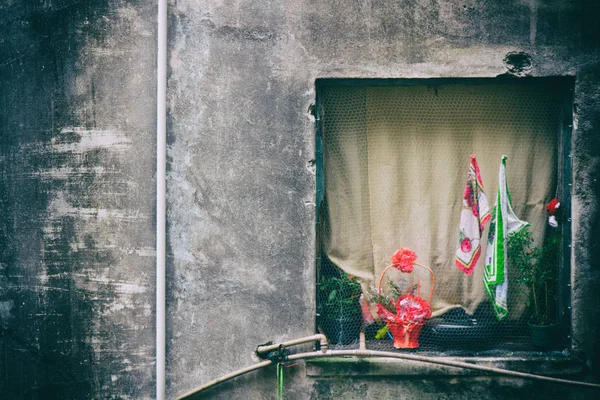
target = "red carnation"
x: 552, y: 206
x: 404, y: 259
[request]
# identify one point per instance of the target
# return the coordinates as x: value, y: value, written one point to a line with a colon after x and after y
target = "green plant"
x: 388, y: 301
x: 339, y: 296
x: 538, y: 271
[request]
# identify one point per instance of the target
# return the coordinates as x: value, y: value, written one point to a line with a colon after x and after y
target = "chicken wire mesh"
x: 395, y: 161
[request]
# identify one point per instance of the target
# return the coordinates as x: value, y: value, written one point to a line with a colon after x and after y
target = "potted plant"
x: 538, y: 271
x: 340, y: 316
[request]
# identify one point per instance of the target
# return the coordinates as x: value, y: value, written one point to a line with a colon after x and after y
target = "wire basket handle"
x: 419, y: 289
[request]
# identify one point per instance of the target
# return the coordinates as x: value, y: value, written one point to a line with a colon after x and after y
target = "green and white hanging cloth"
x: 504, y: 222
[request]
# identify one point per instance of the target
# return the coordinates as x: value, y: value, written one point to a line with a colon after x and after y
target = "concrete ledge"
x: 356, y: 366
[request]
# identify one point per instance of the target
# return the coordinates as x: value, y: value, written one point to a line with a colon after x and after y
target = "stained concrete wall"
x: 77, y: 155
x: 77, y: 183
x: 242, y: 182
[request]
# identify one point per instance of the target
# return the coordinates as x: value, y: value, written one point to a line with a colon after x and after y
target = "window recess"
x: 392, y: 158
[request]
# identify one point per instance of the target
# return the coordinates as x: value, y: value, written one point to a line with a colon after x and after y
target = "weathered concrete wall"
x: 77, y: 123
x: 241, y: 186
x: 77, y: 190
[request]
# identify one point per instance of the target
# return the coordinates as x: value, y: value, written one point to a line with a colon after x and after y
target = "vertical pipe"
x: 319, y: 195
x: 161, y: 192
x: 567, y: 178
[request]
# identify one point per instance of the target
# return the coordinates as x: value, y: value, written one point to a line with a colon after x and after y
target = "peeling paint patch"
x: 68, y: 172
x: 59, y: 207
x: 129, y: 288
x: 79, y: 140
x: 6, y: 307
x: 142, y: 251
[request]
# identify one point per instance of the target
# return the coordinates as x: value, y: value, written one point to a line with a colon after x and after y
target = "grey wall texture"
x: 241, y: 184
x: 77, y: 155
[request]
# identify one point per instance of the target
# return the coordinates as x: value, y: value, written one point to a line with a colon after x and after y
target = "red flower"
x: 404, y: 259
x: 465, y: 245
x: 552, y: 206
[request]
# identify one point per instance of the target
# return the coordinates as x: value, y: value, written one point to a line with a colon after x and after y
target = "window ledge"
x: 531, y: 363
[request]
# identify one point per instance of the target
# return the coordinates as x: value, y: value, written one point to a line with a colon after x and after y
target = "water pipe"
x: 440, y: 361
x: 261, y: 350
x: 161, y: 194
x: 318, y: 337
x: 388, y: 354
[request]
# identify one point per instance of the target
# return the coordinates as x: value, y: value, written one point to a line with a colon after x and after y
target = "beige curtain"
x: 396, y: 162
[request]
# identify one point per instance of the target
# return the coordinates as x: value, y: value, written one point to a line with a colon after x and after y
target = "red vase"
x: 405, y: 336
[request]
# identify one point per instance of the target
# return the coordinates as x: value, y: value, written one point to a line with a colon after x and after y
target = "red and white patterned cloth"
x: 473, y: 216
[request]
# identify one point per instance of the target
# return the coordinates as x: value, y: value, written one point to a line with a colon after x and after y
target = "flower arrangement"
x: 404, y: 314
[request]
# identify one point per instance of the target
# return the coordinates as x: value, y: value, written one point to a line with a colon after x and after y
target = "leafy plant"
x: 339, y: 295
x: 538, y: 271
x: 388, y: 301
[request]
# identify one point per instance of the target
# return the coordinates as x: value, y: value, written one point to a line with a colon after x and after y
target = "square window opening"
x: 393, y: 157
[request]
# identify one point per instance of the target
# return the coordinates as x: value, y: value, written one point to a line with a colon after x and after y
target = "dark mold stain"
x: 518, y: 63
x: 45, y: 335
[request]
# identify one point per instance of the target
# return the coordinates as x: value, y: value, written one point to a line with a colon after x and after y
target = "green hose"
x: 280, y: 381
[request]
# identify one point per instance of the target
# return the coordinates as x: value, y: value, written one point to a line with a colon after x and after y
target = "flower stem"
x: 537, y: 311
x: 546, y: 311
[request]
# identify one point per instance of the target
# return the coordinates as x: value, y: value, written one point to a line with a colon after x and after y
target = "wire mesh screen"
x: 395, y: 165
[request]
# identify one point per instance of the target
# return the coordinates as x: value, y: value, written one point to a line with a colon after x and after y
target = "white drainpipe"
x: 161, y: 194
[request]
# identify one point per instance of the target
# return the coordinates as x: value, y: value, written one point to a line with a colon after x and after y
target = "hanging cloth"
x: 504, y: 222
x: 474, y: 214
